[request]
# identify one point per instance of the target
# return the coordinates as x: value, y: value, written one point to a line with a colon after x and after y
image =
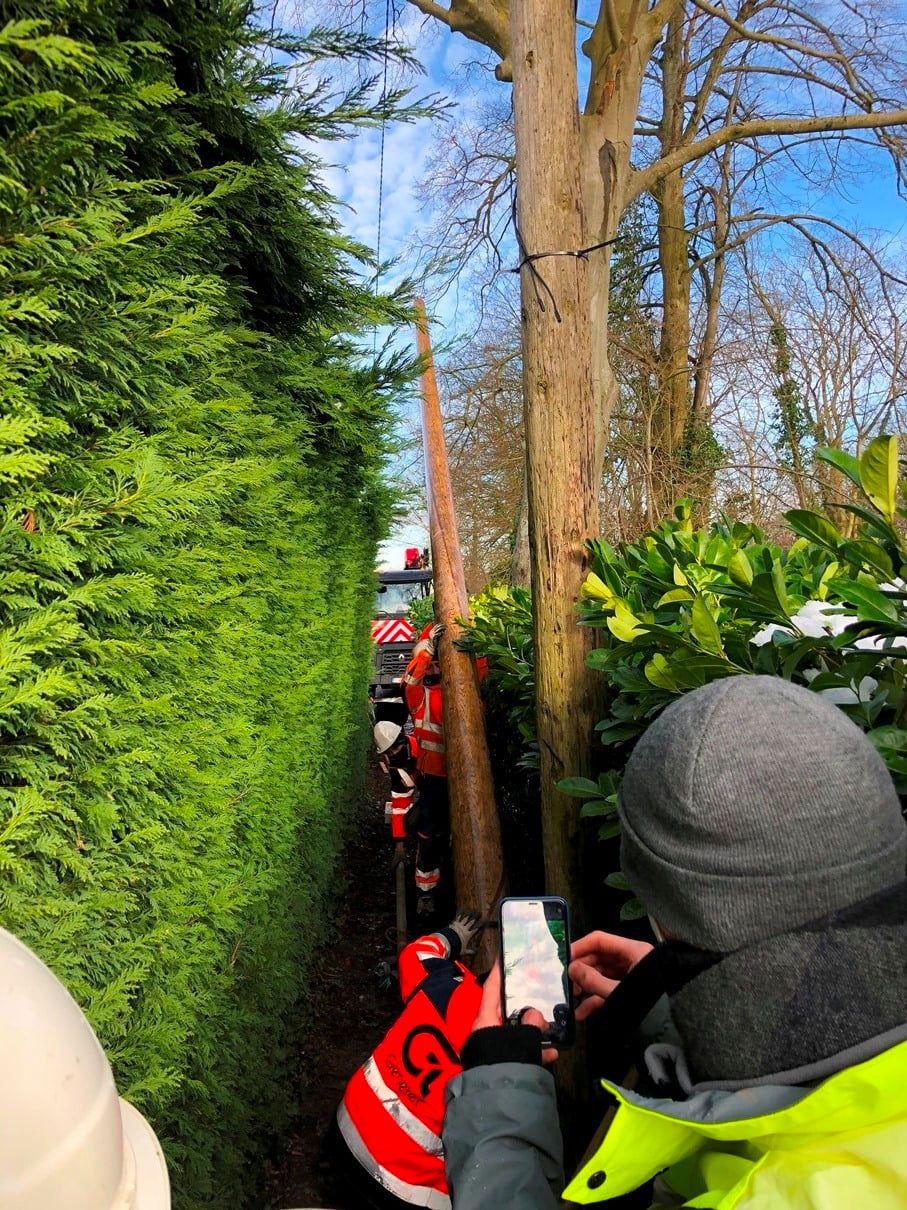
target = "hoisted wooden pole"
x: 475, y: 829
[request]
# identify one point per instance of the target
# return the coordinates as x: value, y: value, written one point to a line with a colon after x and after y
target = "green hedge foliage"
x: 190, y: 502
x: 500, y: 628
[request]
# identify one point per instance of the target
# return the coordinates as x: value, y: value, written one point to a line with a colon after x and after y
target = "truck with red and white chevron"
x: 392, y: 631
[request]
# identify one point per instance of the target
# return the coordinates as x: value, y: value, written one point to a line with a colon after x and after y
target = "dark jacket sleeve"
x: 425, y: 955
x: 502, y: 1139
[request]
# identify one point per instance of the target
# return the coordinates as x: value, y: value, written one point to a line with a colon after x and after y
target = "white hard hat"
x: 386, y: 735
x: 66, y: 1138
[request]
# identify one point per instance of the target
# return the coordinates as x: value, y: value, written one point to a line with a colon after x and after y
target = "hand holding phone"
x: 489, y: 1014
x: 535, y: 954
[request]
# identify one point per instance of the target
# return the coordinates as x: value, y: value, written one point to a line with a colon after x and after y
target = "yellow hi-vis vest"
x: 842, y: 1146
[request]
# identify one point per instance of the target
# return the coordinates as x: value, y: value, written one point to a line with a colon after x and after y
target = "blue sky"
x: 353, y: 171
x: 868, y: 200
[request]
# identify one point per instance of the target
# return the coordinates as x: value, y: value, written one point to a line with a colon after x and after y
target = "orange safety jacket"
x: 425, y: 705
x: 391, y: 1113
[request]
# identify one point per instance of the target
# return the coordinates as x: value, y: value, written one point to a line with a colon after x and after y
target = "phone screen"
x: 535, y: 953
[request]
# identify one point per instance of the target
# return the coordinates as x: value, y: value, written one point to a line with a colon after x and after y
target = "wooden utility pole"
x: 562, y: 475
x: 475, y: 829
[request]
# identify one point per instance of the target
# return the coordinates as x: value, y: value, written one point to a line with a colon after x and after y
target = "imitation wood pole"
x: 475, y: 829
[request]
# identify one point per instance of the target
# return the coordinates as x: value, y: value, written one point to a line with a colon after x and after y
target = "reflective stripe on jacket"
x: 401, y: 770
x: 393, y: 1107
x: 401, y: 802
x: 426, y: 707
x: 427, y: 880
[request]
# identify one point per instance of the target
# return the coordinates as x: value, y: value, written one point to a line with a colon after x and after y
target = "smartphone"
x: 535, y: 954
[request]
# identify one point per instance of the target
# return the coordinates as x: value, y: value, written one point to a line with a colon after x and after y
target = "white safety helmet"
x: 66, y: 1138
x: 386, y: 735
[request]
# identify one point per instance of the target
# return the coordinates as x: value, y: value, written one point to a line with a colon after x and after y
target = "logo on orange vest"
x: 428, y: 1054
x: 404, y: 1092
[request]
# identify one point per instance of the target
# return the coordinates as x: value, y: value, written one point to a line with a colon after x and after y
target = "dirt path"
x: 349, y: 1010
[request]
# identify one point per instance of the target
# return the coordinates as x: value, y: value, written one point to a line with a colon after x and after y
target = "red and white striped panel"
x: 392, y: 630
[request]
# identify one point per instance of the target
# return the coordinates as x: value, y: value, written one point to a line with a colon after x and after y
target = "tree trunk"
x: 520, y: 559
x: 563, y: 474
x: 702, y: 484
x: 709, y: 345
x: 606, y: 134
x: 673, y: 411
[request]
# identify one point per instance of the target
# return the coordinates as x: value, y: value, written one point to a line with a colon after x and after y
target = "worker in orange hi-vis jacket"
x: 422, y: 687
x: 391, y: 1113
x: 397, y: 754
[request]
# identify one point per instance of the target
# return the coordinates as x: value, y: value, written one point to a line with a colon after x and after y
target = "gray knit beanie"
x: 752, y: 806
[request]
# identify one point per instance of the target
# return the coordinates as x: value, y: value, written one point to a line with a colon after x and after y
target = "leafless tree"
x: 482, y: 384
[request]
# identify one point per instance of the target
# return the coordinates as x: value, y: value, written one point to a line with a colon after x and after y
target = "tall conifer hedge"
x: 190, y: 500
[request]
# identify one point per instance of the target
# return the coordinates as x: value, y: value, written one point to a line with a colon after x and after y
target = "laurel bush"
x: 685, y: 605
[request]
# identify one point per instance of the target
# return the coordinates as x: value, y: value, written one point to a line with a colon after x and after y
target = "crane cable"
x: 389, y: 8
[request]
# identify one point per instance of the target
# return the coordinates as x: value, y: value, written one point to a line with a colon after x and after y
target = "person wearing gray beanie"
x: 751, y: 806
x: 768, y: 1028
x: 755, y: 818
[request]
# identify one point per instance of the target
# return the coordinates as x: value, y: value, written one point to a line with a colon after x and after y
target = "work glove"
x: 411, y: 819
x: 465, y: 925
x: 434, y: 637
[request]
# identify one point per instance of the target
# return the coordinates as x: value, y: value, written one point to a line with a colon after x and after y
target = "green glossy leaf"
x: 813, y: 526
x: 705, y: 628
x: 846, y: 463
x: 594, y: 588
x: 827, y: 576
x: 634, y: 910
x: 740, y: 569
x: 874, y: 522
x: 668, y: 638
x: 868, y: 553
x: 888, y: 739
x: 608, y: 783
x: 618, y: 733
x: 676, y: 594
x: 879, y: 474
x: 598, y: 807
x: 609, y: 830
x: 599, y: 658
x: 624, y: 625
x: 871, y: 605
x: 578, y: 787
x: 658, y: 672
x: 617, y: 881
x: 779, y: 586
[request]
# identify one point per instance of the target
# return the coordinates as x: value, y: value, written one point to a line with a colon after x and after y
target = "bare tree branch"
x: 644, y: 179
x: 484, y: 21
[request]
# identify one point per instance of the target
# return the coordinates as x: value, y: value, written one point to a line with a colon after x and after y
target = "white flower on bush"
x: 812, y: 620
x: 881, y: 644
x: 820, y: 619
x: 817, y: 619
